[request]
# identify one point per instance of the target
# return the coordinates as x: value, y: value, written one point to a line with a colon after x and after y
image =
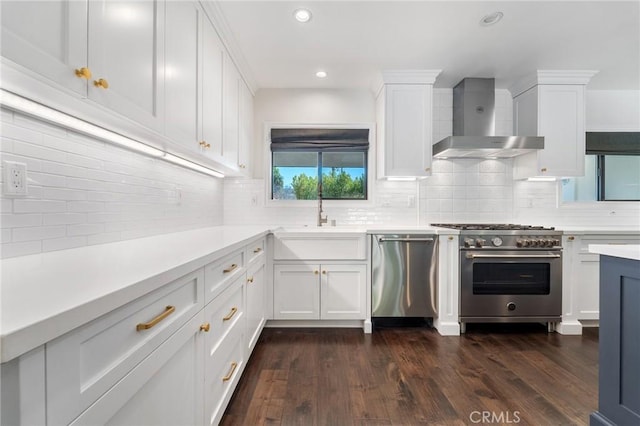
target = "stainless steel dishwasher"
x: 404, y: 275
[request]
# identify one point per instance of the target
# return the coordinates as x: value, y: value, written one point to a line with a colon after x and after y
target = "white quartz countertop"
x: 627, y: 251
x: 46, y: 295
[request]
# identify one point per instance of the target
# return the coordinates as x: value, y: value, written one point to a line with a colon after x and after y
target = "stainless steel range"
x: 509, y: 273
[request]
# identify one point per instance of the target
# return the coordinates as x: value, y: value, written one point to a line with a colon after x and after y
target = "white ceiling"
x: 353, y: 40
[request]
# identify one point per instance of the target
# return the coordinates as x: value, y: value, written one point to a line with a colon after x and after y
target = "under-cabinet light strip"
x: 42, y: 112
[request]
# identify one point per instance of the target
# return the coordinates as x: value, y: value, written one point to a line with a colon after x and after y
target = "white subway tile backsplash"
x: 20, y: 249
x: 38, y: 233
x: 85, y: 191
x: 38, y: 206
x: 63, y: 243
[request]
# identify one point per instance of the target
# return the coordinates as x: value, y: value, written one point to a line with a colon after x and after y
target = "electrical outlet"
x: 14, y: 178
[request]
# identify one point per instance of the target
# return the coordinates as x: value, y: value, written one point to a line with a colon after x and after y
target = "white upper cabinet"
x: 404, y: 109
x: 126, y: 57
x: 48, y: 38
x: 183, y: 23
x: 245, y: 123
x: 211, y: 106
x: 231, y: 103
x: 552, y: 104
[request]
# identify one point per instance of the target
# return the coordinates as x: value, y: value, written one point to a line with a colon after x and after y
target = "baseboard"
x: 569, y: 328
x: 447, y: 328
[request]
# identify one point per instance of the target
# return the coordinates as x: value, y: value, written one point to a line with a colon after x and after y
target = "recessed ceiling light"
x: 491, y: 19
x: 302, y: 15
x: 321, y: 74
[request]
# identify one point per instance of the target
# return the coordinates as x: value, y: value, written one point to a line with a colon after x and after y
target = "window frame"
x: 340, y: 202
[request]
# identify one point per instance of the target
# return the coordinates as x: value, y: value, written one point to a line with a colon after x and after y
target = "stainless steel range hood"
x: 474, y: 126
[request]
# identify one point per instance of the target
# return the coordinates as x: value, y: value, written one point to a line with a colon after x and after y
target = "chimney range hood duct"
x: 474, y: 126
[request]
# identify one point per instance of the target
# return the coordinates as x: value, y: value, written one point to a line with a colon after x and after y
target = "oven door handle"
x: 403, y: 240
x: 512, y: 256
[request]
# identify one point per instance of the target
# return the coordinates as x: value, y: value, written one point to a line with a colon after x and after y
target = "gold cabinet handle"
x: 226, y: 378
x: 450, y: 238
x: 250, y: 280
x: 230, y: 268
x: 101, y: 83
x: 571, y: 238
x: 544, y: 169
x: 242, y: 166
x: 231, y: 313
x: 202, y: 143
x: 147, y: 325
x: 428, y: 169
x: 83, y: 72
x: 258, y: 250
x: 205, y: 327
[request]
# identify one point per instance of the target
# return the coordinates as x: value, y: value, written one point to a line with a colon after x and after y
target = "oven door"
x: 510, y: 283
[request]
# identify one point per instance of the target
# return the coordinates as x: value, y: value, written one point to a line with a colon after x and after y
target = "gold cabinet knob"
x: 205, y: 327
x: 315, y: 272
x: 242, y: 166
x: 250, y: 280
x: 324, y: 272
x: 83, y: 72
x: 571, y: 238
x: 204, y: 144
x: 102, y: 83
x: 544, y: 169
x: 428, y: 169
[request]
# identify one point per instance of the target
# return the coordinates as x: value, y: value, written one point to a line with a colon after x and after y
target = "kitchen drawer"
x: 292, y: 246
x: 84, y: 363
x: 255, y: 251
x: 224, y: 312
x: 165, y: 389
x: 222, y: 372
x: 219, y: 274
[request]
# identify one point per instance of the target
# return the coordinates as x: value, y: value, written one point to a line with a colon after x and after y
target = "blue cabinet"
x: 619, y: 371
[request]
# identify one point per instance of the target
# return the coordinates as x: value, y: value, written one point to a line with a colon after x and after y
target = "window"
x: 612, y: 169
x: 305, y: 161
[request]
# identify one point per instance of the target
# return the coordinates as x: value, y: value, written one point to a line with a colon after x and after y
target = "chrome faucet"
x: 321, y: 219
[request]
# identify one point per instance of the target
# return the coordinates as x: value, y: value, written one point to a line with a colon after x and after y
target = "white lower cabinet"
x: 255, y: 303
x: 581, y: 277
x: 320, y: 291
x: 170, y: 357
x: 164, y: 389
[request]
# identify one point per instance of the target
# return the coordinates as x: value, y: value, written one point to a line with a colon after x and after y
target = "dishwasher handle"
x: 403, y: 240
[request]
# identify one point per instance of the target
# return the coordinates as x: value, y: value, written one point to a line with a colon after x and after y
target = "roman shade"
x: 613, y: 143
x: 320, y: 140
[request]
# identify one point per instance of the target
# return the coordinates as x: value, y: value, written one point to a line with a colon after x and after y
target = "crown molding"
x: 551, y: 77
x: 405, y: 77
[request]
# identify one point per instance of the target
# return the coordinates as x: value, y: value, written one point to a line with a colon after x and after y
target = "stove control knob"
x: 496, y: 241
x: 536, y: 243
x: 480, y: 242
x: 511, y: 306
x: 468, y: 242
x: 520, y: 243
x: 550, y: 242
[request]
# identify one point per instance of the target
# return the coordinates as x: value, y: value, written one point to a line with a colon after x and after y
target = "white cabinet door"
x: 164, y: 389
x: 48, y: 38
x: 343, y: 292
x: 212, y: 73
x: 561, y: 121
x: 295, y: 291
x: 406, y: 137
x: 255, y: 304
x: 230, y: 123
x: 126, y: 53
x: 181, y: 72
x: 245, y: 118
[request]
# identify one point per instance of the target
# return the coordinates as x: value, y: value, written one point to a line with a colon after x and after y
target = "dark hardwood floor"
x: 511, y: 374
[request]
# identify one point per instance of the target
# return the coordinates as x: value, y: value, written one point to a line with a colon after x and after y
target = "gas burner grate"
x: 492, y: 227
